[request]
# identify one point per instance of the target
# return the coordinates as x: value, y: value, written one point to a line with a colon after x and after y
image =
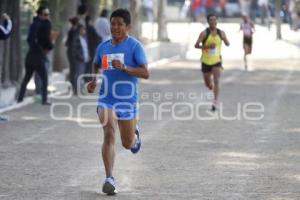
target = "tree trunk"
x: 161, y: 17
x: 103, y: 4
x: 135, y: 22
x: 278, y: 18
x: 115, y: 4
x: 61, y: 11
x: 10, y: 54
x: 93, y: 8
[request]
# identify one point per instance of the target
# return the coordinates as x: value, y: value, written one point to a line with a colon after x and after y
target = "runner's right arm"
x: 93, y: 83
x: 95, y: 70
x: 96, y: 66
x: 200, y: 40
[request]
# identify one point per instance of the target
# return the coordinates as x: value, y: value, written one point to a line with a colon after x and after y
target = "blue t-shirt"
x: 119, y: 87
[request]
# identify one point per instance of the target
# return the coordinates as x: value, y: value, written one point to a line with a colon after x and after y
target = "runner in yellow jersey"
x: 210, y: 41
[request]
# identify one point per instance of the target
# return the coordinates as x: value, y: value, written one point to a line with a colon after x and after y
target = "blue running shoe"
x: 138, y: 142
x: 109, y: 186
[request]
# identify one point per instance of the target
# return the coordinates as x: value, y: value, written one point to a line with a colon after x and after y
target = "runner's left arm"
x: 253, y: 27
x: 224, y: 38
x: 140, y: 72
x: 141, y: 68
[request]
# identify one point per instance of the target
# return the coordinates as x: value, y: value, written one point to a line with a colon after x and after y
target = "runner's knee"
x: 127, y: 139
x: 109, y: 135
x: 127, y: 144
x: 216, y: 81
x: 207, y: 83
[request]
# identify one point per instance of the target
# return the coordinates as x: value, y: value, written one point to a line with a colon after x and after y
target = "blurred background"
x: 176, y: 23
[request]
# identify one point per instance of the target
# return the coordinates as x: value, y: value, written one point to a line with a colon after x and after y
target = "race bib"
x: 247, y: 32
x: 108, y: 58
x: 212, y: 51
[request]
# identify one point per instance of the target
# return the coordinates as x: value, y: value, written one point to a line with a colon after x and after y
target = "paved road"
x: 190, y: 158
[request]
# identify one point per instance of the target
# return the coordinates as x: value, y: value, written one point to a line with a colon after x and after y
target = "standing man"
x: 245, y: 6
x: 102, y: 26
x: 45, y: 31
x: 210, y: 41
x: 40, y: 43
x: 264, y: 11
x: 81, y: 58
x: 5, y: 31
x: 93, y: 41
x: 70, y: 44
x: 148, y: 9
x: 122, y: 60
x: 248, y: 29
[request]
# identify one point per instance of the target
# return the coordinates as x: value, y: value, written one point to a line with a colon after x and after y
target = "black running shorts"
x: 208, y: 68
x: 248, y: 41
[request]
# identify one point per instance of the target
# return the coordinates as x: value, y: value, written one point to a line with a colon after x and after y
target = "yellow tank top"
x: 211, y: 56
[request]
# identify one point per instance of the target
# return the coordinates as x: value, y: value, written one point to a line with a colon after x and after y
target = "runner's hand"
x: 197, y: 46
x: 91, y: 86
x: 117, y: 64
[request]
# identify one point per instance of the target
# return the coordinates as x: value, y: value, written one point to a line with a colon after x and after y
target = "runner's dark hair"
x: 123, y: 13
x: 211, y: 15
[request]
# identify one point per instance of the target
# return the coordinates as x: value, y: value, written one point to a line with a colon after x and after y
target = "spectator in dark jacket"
x: 82, y: 12
x: 93, y: 41
x: 40, y: 43
x: 44, y: 38
x: 81, y: 57
x: 39, y: 36
x: 72, y: 35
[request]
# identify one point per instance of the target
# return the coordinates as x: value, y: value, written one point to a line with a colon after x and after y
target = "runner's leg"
x: 250, y: 48
x: 245, y: 55
x: 216, y: 71
x: 108, y: 120
x: 127, y: 131
x: 208, y: 80
x: 28, y: 75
